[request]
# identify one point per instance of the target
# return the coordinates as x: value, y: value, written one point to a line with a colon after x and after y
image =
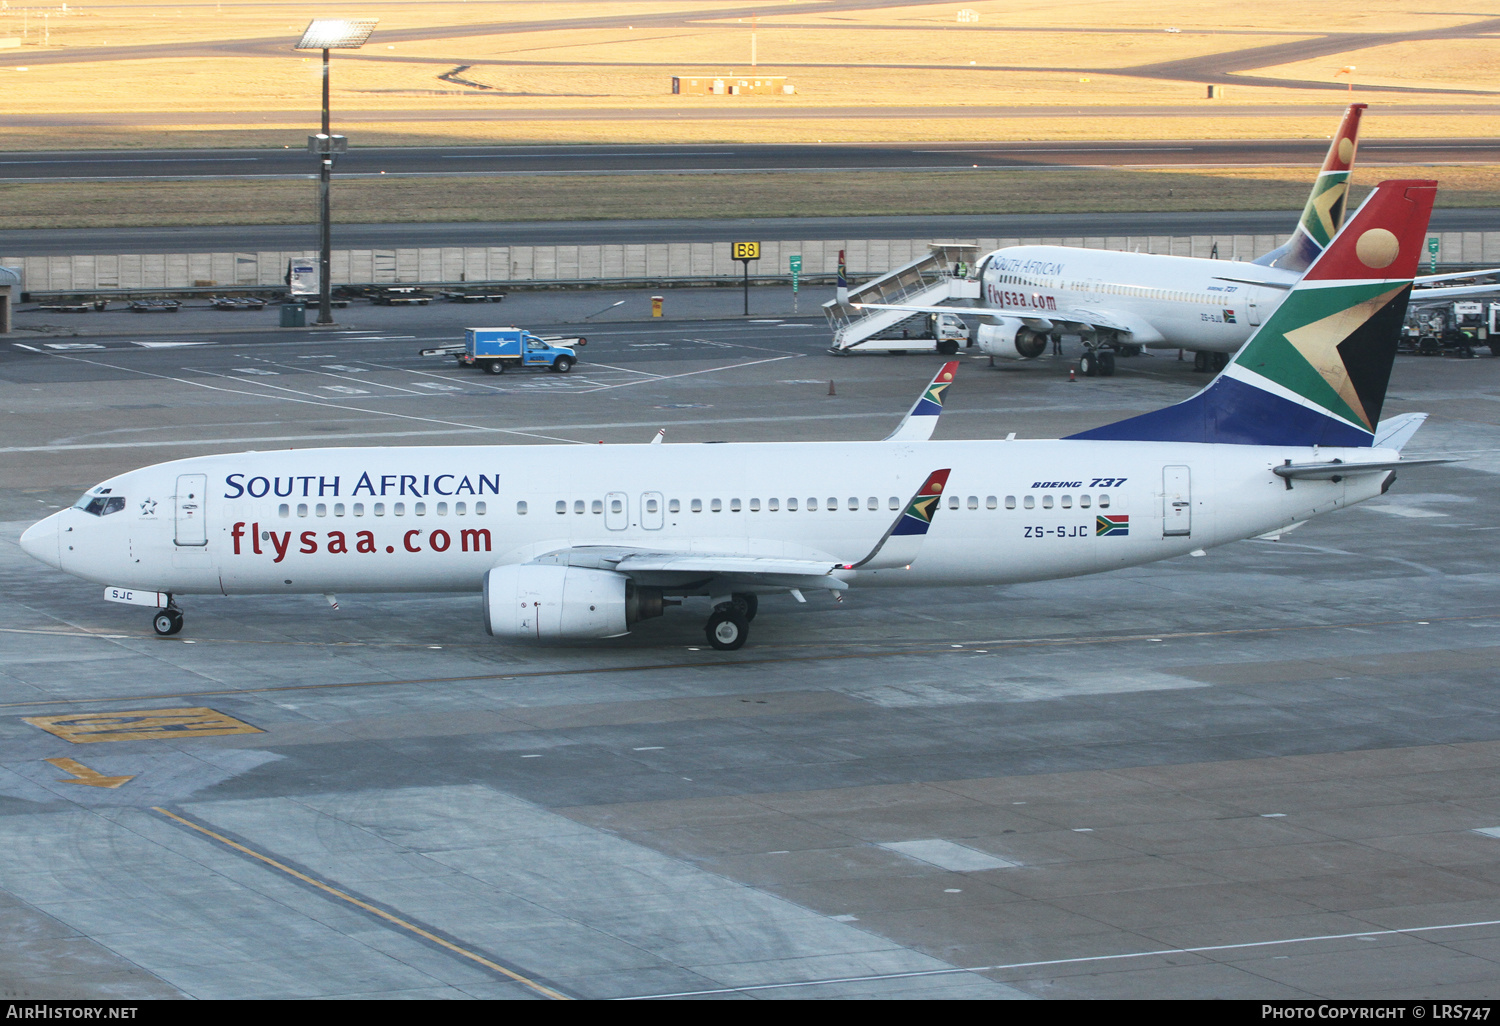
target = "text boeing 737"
x: 581, y: 542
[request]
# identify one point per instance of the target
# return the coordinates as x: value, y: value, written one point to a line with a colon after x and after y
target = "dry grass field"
x: 117, y: 74
x: 76, y: 205
x: 123, y: 58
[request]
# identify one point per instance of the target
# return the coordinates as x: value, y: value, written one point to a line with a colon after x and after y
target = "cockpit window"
x: 101, y: 505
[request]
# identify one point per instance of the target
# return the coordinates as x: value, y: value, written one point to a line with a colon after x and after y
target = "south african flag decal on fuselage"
x: 1118, y: 523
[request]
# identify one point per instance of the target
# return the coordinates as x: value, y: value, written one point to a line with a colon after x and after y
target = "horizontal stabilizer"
x: 1263, y: 283
x: 921, y: 420
x: 1337, y: 470
x: 1396, y: 432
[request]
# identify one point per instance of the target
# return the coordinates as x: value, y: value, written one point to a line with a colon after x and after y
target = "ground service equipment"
x: 498, y: 349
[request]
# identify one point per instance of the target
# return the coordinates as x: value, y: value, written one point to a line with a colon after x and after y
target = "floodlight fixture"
x: 337, y: 33
x: 330, y: 34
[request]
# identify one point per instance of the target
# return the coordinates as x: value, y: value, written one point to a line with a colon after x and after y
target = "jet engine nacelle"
x: 1010, y: 340
x: 534, y: 600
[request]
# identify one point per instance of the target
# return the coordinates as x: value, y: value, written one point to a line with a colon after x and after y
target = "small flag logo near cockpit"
x: 1118, y: 523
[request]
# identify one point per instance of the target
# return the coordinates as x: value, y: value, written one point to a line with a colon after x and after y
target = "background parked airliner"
x: 1114, y: 299
x: 582, y: 542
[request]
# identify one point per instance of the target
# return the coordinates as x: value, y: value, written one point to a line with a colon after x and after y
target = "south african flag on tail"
x: 1315, y: 373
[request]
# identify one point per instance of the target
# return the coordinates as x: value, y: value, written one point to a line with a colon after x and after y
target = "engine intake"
x: 533, y: 600
x: 1011, y: 340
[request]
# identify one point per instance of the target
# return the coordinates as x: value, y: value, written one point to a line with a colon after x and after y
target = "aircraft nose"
x: 40, y: 541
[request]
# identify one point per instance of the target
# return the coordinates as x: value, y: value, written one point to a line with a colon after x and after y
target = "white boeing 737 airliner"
x: 1113, y: 299
x: 583, y: 541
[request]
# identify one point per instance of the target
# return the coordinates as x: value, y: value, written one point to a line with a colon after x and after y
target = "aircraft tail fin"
x: 1323, y: 215
x: 921, y: 420
x: 1315, y: 373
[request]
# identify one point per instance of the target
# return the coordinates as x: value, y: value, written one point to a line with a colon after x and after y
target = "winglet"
x: 901, y: 541
x: 921, y: 420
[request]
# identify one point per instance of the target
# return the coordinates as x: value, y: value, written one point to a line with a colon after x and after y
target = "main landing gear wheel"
x: 1106, y: 360
x: 726, y: 630
x: 167, y: 622
x: 1200, y: 361
x: 746, y: 604
x: 1088, y: 363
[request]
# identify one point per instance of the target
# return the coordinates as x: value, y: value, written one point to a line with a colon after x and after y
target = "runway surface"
x: 1273, y: 772
x: 108, y: 165
x: 250, y: 238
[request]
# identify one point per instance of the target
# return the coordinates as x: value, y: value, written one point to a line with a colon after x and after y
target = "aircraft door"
x: 192, y: 527
x: 652, y: 515
x: 1252, y: 306
x: 616, y: 511
x: 1176, y: 502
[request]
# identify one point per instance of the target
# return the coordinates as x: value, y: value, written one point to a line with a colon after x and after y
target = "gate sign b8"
x: 746, y: 250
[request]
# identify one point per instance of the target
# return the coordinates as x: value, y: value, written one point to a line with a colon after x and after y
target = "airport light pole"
x: 330, y: 34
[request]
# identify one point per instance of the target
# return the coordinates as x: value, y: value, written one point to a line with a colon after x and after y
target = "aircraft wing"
x: 1454, y: 292
x: 898, y: 546
x: 667, y: 569
x: 1140, y: 330
x: 1429, y: 279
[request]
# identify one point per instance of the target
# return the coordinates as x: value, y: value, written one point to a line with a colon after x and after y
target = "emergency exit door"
x: 1176, y: 502
x: 192, y: 528
x: 616, y: 511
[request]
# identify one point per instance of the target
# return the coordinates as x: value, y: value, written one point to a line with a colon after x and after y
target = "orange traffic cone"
x: 1071, y: 375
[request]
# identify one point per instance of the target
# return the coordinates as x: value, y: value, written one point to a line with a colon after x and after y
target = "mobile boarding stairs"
x: 926, y: 281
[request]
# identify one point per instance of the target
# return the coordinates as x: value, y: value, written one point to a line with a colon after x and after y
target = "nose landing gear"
x: 168, y: 621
